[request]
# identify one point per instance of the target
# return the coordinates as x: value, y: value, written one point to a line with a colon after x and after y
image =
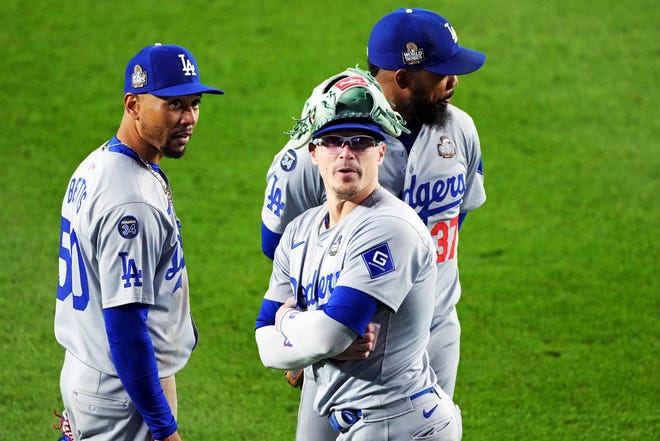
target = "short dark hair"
x: 373, y: 69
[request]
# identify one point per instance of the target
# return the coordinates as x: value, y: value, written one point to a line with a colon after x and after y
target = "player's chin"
x: 175, y: 152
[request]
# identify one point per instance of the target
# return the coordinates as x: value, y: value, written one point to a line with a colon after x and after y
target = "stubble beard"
x: 162, y: 141
x: 170, y: 153
x: 348, y: 190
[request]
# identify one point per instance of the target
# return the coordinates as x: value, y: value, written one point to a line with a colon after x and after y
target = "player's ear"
x: 401, y: 78
x: 131, y: 104
x: 312, y: 152
x: 381, y: 152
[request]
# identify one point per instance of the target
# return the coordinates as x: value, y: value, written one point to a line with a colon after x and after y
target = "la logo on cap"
x: 187, y: 67
x: 139, y: 77
x: 451, y: 30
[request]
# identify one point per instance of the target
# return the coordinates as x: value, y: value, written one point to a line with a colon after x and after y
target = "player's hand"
x: 361, y: 346
x: 289, y: 304
x: 173, y: 437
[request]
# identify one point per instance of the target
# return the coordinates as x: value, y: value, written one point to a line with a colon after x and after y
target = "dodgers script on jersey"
x: 107, y: 228
x: 441, y: 177
x: 384, y: 250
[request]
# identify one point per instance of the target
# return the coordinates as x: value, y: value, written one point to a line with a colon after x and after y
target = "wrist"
x: 287, y: 314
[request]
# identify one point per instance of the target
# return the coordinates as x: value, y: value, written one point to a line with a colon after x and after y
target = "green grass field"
x: 561, y: 300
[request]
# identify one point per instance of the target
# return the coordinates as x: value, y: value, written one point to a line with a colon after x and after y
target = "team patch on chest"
x: 334, y: 246
x: 446, y: 147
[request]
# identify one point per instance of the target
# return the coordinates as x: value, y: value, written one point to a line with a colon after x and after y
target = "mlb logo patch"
x: 378, y: 260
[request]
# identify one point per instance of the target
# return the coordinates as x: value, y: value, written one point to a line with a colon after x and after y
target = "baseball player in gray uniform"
x: 363, y: 257
x: 415, y: 57
x: 122, y: 310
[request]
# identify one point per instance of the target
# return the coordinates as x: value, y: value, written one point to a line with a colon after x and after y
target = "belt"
x: 343, y: 419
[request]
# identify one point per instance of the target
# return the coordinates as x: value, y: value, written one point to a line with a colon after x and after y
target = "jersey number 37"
x: 447, y: 235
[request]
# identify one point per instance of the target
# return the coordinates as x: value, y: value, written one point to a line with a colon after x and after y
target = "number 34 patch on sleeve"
x: 378, y: 260
x: 128, y: 227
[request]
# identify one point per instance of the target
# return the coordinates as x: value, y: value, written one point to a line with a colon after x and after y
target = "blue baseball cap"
x: 366, y: 125
x: 411, y: 38
x: 165, y: 70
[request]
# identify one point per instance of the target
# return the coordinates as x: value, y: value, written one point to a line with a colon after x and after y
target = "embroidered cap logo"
x: 451, y: 30
x: 412, y: 54
x: 139, y: 77
x: 186, y: 66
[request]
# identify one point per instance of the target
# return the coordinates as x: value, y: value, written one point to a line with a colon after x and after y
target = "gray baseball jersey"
x: 440, y: 178
x: 444, y: 178
x: 384, y: 250
x: 120, y: 243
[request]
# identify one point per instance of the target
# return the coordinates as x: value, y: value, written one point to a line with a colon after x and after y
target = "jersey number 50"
x: 71, y: 263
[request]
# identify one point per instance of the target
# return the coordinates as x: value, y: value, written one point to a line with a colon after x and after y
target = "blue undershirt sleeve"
x: 269, y: 241
x: 267, y: 313
x: 135, y: 361
x: 352, y: 308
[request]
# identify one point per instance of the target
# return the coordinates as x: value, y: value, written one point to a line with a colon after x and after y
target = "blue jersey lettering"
x: 130, y: 271
x: 77, y: 192
x: 73, y: 266
x: 450, y: 191
x: 275, y: 203
x: 318, y: 290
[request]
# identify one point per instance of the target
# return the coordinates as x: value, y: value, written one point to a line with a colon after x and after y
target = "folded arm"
x: 297, y: 339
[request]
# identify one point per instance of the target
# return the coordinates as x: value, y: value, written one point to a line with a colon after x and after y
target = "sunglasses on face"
x: 334, y: 144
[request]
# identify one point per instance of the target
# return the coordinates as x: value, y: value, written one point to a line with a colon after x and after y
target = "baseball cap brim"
x: 463, y: 62
x: 367, y: 127
x: 186, y: 89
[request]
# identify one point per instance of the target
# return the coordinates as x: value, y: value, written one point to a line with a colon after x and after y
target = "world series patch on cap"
x: 418, y: 38
x: 165, y: 70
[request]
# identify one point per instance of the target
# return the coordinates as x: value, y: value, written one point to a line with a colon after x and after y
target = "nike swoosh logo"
x: 428, y: 413
x: 297, y: 244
